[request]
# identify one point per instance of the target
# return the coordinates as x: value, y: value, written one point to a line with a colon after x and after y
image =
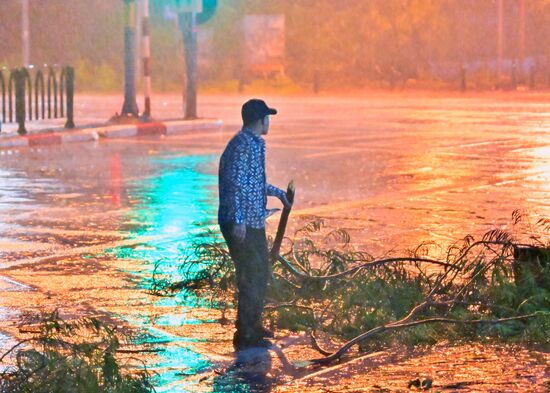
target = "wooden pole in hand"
x: 274, y: 254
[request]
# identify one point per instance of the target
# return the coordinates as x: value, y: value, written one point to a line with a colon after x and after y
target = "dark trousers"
x: 252, y: 272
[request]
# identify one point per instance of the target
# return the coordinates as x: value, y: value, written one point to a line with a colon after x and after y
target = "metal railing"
x: 19, y: 89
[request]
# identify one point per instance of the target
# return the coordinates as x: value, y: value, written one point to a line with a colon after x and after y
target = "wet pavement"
x: 82, y: 226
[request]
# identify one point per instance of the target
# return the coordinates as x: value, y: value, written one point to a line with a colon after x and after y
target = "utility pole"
x: 500, y: 40
x: 521, y: 38
x: 190, y: 14
x: 145, y: 28
x: 129, y: 108
x: 188, y: 25
x: 138, y: 52
x: 187, y: 18
x: 25, y: 36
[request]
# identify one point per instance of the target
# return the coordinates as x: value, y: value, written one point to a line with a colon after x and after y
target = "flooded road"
x: 83, y: 225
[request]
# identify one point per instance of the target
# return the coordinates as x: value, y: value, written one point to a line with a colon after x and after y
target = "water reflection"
x: 396, y: 172
x: 21, y: 194
x: 115, y: 186
x: 539, y: 173
x: 169, y: 209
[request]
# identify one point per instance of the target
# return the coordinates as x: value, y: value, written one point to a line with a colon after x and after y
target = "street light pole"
x: 500, y: 40
x: 129, y: 108
x: 188, y: 25
x: 521, y: 37
x: 146, y: 59
x: 25, y: 36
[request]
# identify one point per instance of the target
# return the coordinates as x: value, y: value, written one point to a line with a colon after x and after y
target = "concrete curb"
x: 108, y: 132
x: 117, y: 132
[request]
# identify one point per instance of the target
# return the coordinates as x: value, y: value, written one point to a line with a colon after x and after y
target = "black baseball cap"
x: 255, y: 109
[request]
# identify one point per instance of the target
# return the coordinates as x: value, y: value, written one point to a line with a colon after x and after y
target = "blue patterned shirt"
x: 242, y: 181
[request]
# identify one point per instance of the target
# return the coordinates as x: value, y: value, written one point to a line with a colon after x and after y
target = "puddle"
x: 393, y: 182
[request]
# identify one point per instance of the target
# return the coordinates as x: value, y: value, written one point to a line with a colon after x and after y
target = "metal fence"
x: 24, y: 99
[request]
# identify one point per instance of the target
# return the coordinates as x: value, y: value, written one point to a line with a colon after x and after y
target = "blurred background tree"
x: 343, y: 44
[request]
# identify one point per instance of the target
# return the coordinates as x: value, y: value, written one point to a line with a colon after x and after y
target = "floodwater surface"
x: 84, y: 226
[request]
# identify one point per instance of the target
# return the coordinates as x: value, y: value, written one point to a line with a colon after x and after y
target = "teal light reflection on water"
x: 169, y: 210
x: 174, y: 206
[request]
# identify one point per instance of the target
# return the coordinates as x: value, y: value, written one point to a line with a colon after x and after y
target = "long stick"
x: 290, y: 191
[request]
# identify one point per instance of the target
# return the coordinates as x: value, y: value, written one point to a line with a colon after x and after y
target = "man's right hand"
x: 239, y: 232
x: 286, y: 202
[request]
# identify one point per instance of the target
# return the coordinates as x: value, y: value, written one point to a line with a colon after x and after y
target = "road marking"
x: 18, y: 285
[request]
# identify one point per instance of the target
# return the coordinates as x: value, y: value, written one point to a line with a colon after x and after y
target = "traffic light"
x: 208, y: 11
x: 189, y: 5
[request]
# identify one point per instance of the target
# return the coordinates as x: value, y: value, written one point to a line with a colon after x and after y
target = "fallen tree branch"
x: 379, y: 329
x: 316, y: 346
x: 286, y: 281
x: 146, y: 350
x: 405, y: 323
x: 367, y: 265
x: 14, y: 347
x: 372, y: 264
x: 275, y: 306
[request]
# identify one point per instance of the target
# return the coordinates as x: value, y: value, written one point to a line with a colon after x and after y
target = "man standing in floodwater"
x: 243, y: 198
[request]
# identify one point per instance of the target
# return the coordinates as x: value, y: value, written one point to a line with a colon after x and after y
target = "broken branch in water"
x: 317, y: 347
x: 406, y: 323
x: 350, y: 295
